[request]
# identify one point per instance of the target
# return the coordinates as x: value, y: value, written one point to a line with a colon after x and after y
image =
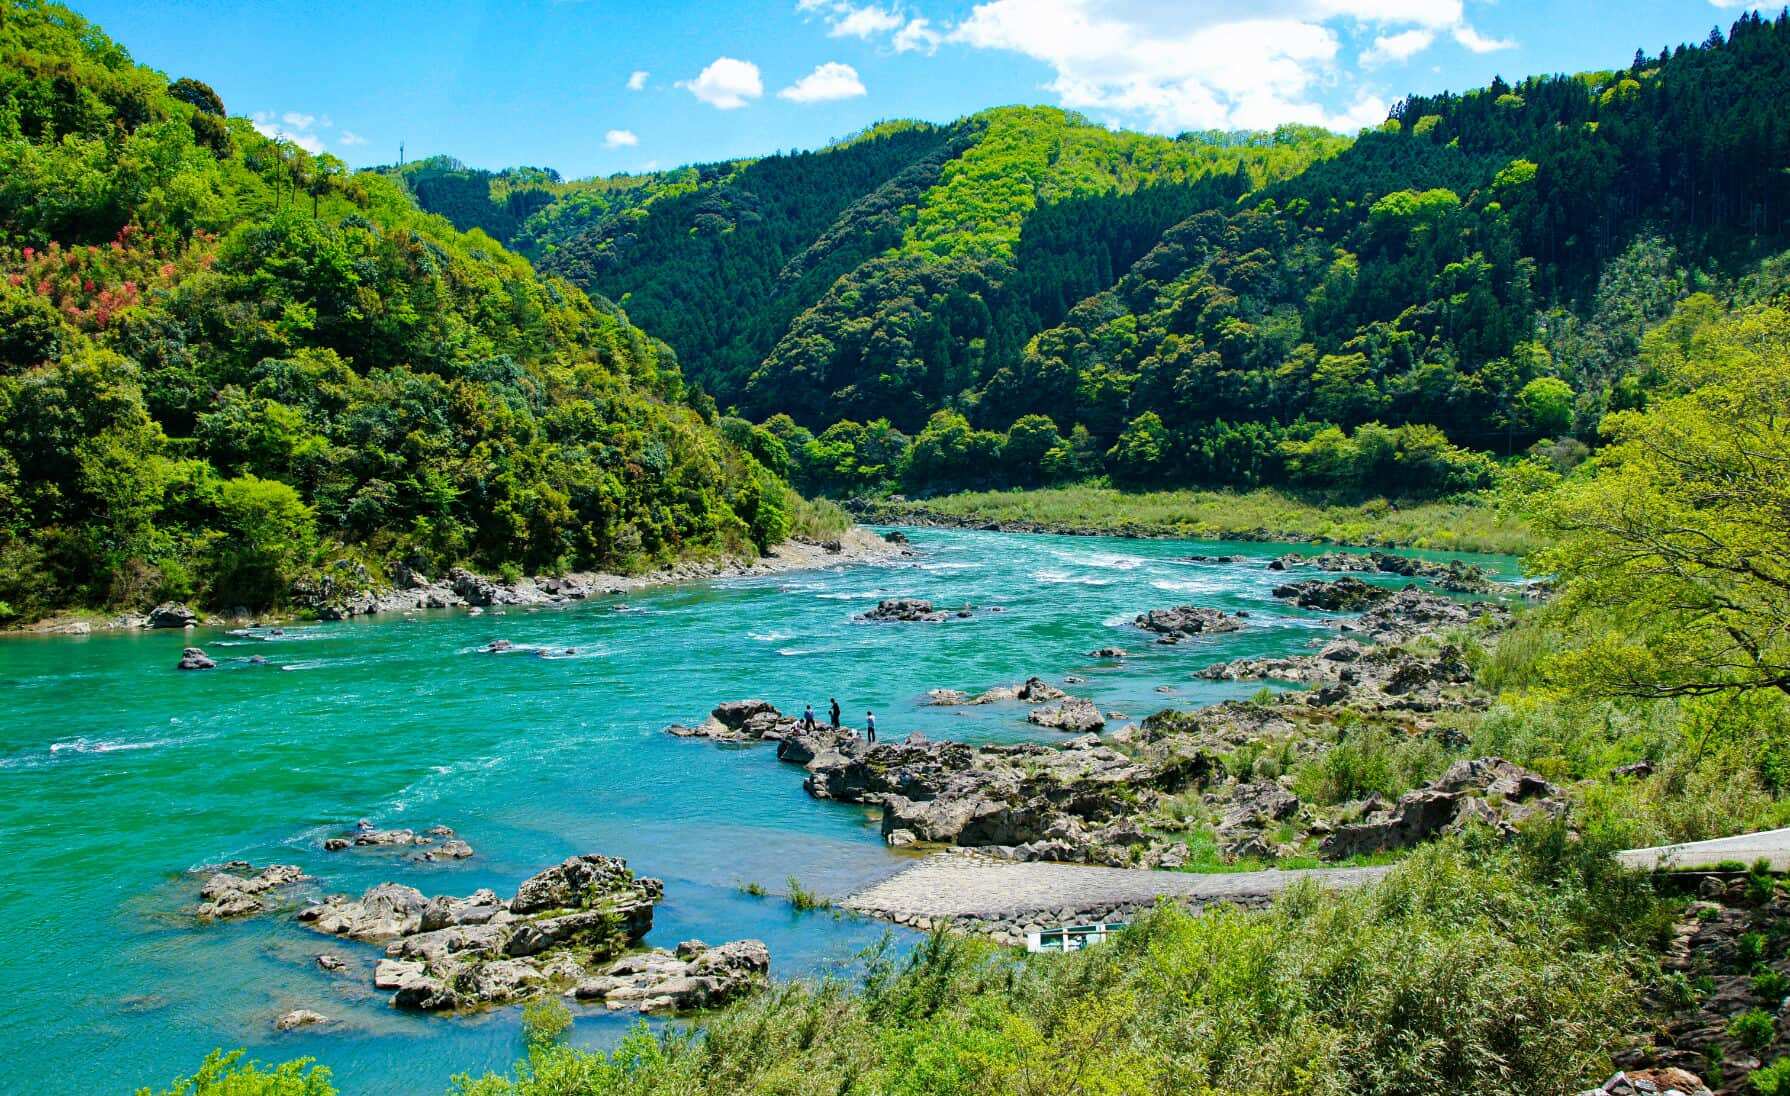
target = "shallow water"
x: 119, y: 775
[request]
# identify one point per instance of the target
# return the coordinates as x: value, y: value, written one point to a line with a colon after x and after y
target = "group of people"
x: 809, y: 723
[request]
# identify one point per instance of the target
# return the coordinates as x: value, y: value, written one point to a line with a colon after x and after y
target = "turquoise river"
x: 120, y: 776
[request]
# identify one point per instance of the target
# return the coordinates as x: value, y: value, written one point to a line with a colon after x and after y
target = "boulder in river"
x: 1033, y: 690
x: 695, y: 976
x: 193, y: 658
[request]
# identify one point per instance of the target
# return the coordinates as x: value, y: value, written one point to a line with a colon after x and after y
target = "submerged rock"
x: 695, y: 976
x: 908, y: 610
x: 458, y: 953
x: 1186, y: 621
x: 299, y: 1017
x: 230, y: 893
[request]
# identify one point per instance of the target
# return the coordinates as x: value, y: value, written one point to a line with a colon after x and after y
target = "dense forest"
x: 1026, y: 298
x: 223, y: 360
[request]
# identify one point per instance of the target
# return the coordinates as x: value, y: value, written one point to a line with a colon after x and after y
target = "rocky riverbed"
x: 1128, y: 800
x: 348, y: 588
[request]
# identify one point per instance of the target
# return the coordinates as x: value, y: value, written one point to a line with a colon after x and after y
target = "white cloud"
x: 826, y: 83
x: 349, y: 137
x: 919, y: 36
x: 291, y: 126
x: 1398, y: 47
x: 727, y: 84
x: 620, y: 138
x: 1478, y: 43
x: 1169, y: 66
x: 637, y: 79
x: 864, y: 22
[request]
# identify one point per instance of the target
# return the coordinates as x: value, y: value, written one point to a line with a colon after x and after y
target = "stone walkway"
x: 1007, y: 895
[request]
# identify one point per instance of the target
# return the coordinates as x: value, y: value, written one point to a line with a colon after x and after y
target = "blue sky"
x: 598, y: 86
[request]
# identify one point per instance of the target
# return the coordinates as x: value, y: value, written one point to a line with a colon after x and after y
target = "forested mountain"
x: 1025, y: 297
x: 223, y: 359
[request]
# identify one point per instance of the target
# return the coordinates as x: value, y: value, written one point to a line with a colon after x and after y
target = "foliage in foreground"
x: 1466, y: 966
x: 224, y: 1074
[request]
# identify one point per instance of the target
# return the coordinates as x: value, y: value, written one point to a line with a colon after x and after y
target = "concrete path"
x: 956, y: 887
x: 1769, y: 845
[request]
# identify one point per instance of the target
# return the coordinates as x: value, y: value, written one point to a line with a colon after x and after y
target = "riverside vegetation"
x: 223, y: 360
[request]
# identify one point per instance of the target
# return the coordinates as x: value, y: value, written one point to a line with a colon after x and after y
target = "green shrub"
x: 226, y: 1074
x: 1772, y: 1080
x: 1771, y: 985
x: 1754, y: 1029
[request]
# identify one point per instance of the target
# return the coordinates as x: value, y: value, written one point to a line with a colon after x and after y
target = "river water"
x: 119, y: 776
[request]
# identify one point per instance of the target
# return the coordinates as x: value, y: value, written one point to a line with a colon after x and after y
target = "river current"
x: 120, y: 776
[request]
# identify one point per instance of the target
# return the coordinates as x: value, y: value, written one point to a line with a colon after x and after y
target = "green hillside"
x: 223, y: 359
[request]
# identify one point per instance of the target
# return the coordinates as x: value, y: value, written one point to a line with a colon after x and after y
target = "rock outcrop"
x: 1185, y: 622
x: 458, y: 953
x: 1074, y: 714
x: 171, y: 615
x: 1487, y: 790
x: 695, y: 976
x: 1376, y: 678
x: 238, y: 890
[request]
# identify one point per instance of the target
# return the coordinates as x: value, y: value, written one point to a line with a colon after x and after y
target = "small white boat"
x: 1071, y: 937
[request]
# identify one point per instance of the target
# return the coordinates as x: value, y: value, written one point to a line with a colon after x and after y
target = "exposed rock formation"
x: 1074, y: 714
x: 457, y: 953
x: 299, y: 1017
x: 1033, y: 690
x: 438, y: 842
x: 1343, y: 595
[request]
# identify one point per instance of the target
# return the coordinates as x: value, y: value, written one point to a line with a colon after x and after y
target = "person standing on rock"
x: 833, y: 710
x: 808, y: 721
x: 870, y: 727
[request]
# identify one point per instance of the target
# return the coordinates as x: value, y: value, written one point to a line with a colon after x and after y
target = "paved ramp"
x: 956, y: 887
x: 1772, y: 846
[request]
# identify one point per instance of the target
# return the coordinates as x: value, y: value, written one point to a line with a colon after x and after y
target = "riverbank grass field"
x: 1469, y: 524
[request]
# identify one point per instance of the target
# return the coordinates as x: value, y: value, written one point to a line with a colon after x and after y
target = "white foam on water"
x: 103, y: 746
x: 853, y: 595
x: 1188, y: 586
x: 770, y: 637
x: 1061, y: 578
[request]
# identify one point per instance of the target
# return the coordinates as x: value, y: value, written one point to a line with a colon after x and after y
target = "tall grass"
x: 1465, y: 526
x: 815, y: 519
